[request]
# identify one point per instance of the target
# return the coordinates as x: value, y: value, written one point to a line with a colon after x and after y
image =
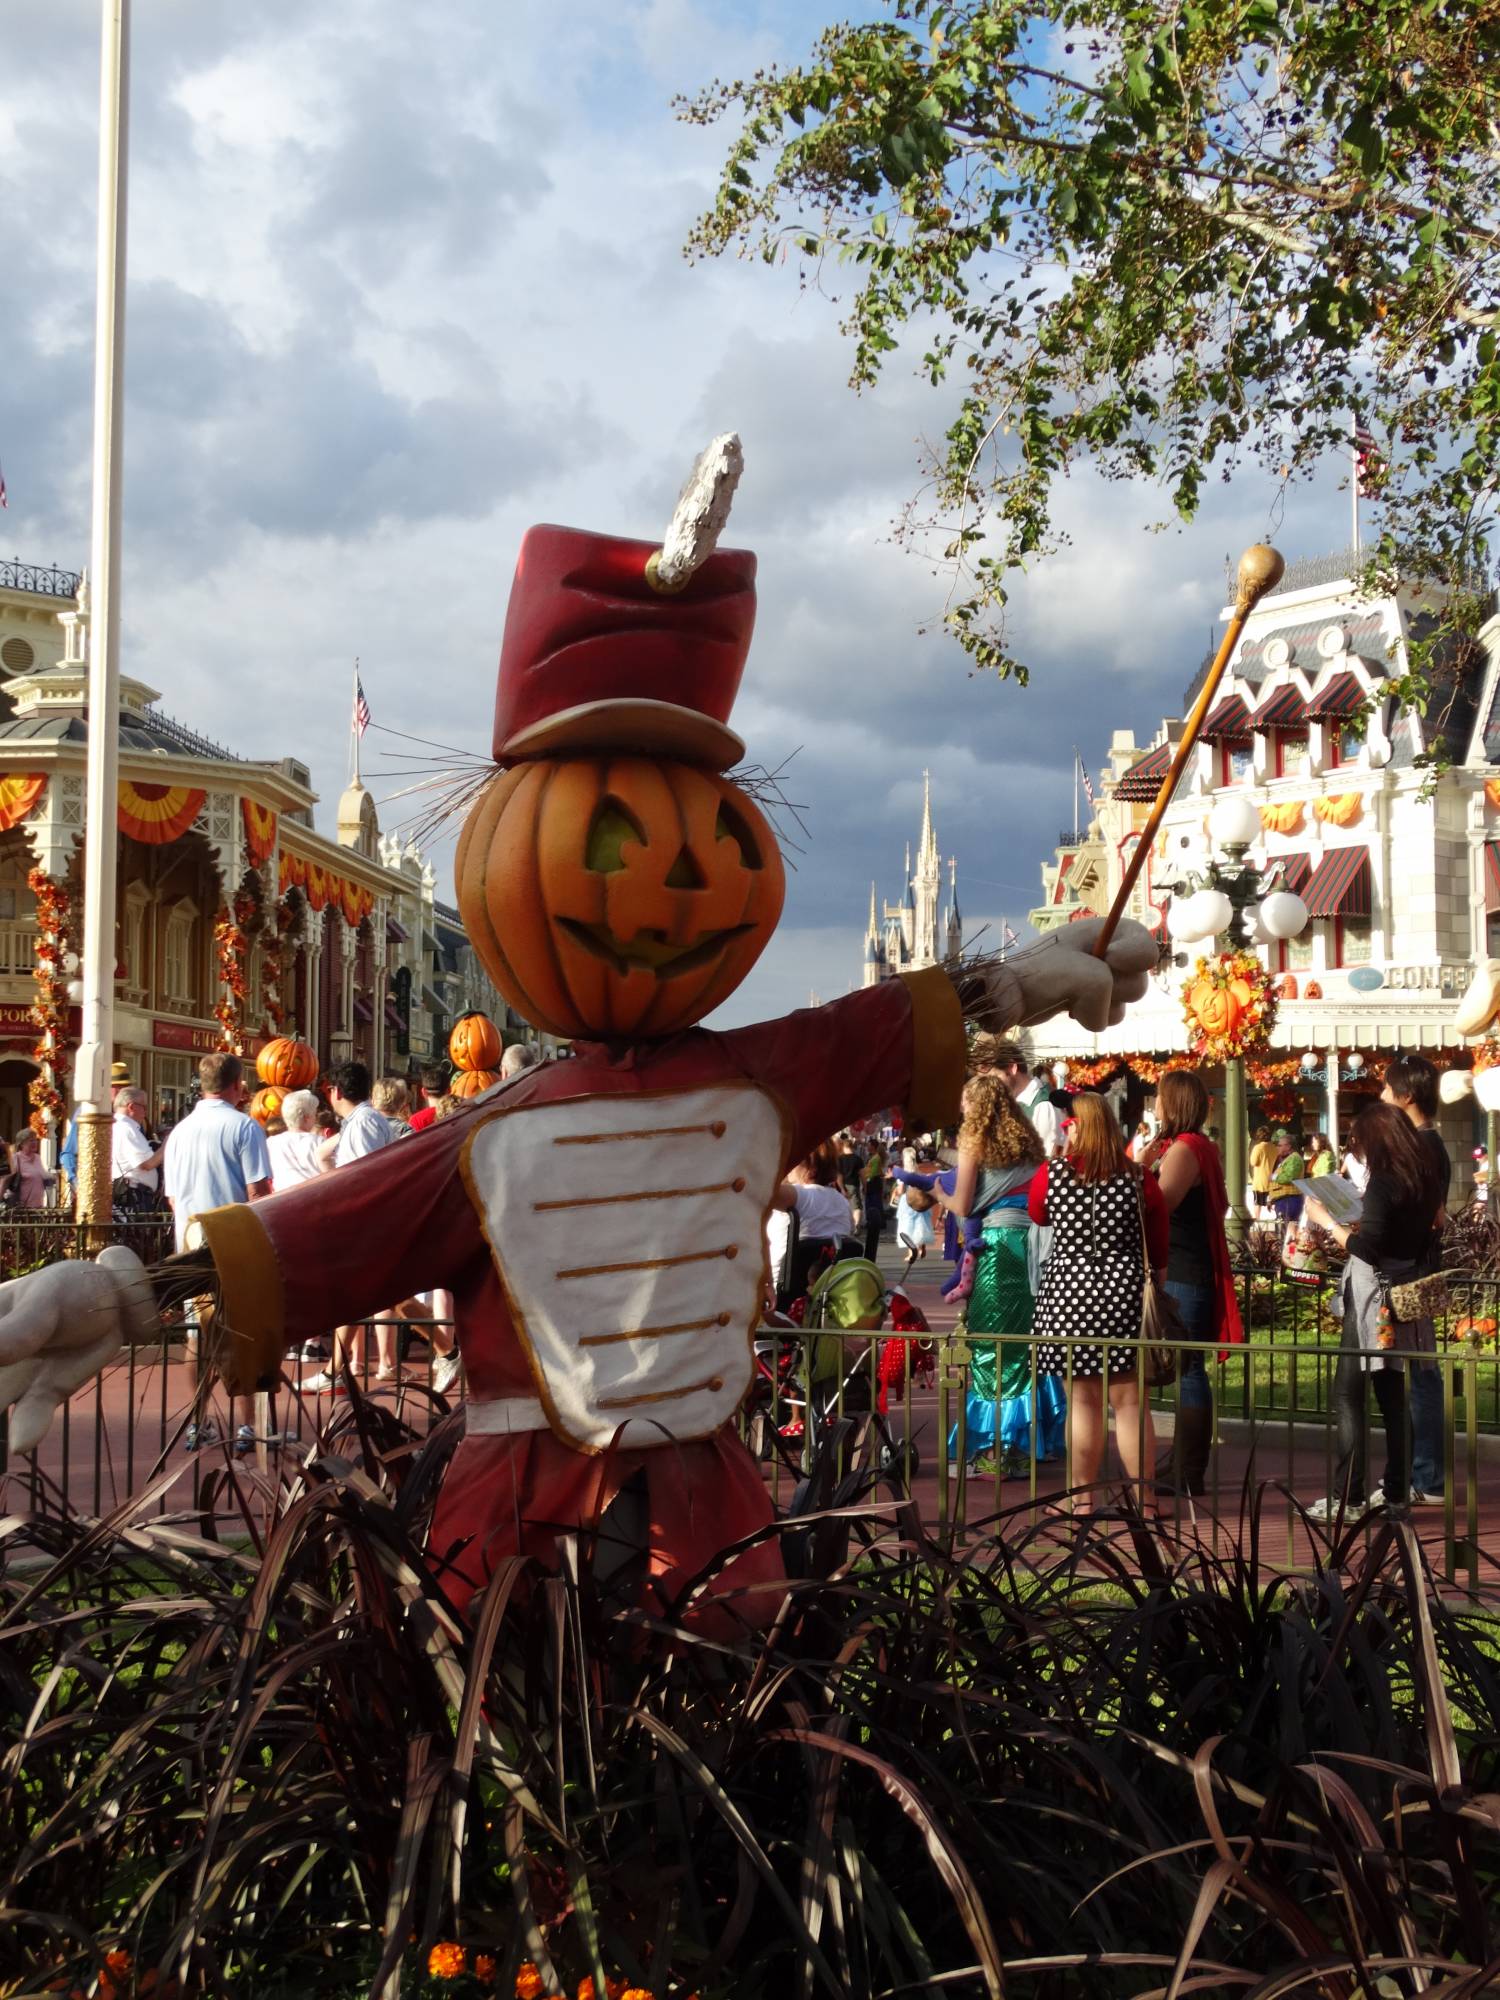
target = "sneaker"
x: 311, y: 1350
x: 197, y: 1435
x: 319, y: 1384
x: 1352, y: 1510
x: 445, y: 1372
x: 244, y: 1440
x: 1416, y: 1497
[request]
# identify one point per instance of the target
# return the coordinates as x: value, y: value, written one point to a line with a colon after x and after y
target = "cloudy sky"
x: 403, y: 281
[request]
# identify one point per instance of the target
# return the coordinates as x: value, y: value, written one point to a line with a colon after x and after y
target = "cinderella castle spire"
x: 905, y: 936
x: 953, y: 923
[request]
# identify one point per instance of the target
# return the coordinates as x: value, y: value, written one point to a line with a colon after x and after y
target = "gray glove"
x: 60, y: 1326
x: 1059, y: 973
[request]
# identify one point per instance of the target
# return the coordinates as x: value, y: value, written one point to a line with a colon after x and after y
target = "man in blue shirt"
x: 214, y: 1157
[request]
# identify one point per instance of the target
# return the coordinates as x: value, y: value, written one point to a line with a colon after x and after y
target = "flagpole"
x: 1077, y: 763
x: 1354, y: 486
x: 92, y: 1107
x: 354, y: 717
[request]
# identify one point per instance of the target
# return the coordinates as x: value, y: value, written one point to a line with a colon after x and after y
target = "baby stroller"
x: 806, y: 1387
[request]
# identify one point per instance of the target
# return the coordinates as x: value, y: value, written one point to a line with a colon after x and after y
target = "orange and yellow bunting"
x: 19, y: 792
x: 1492, y: 792
x: 355, y: 900
x: 317, y: 884
x: 1342, y: 810
x: 157, y: 814
x: 260, y: 830
x: 292, y: 873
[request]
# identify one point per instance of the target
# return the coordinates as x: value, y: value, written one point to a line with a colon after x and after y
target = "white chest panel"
x: 629, y: 1234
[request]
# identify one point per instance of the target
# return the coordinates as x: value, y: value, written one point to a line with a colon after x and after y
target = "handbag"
x: 1162, y: 1330
x: 1421, y: 1298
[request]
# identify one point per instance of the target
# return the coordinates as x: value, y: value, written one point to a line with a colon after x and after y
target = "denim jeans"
x: 1424, y: 1398
x: 1196, y: 1305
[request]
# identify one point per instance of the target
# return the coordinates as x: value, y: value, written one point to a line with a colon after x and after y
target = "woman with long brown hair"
x: 999, y: 1155
x: 1389, y: 1245
x: 1094, y: 1199
x: 1199, y: 1279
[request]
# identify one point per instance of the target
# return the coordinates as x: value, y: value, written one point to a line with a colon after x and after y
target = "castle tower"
x: 953, y: 923
x: 874, y: 967
x: 927, y: 885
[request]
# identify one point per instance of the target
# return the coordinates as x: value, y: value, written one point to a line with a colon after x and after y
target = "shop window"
x: 1344, y: 742
x: 1236, y: 763
x: 137, y: 982
x: 1289, y: 755
x: 1351, y: 941
x: 177, y: 957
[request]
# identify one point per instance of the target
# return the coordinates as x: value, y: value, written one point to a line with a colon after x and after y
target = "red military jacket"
x: 601, y: 1224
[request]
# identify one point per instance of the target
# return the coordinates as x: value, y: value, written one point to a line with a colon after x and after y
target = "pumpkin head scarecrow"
x: 601, y: 1221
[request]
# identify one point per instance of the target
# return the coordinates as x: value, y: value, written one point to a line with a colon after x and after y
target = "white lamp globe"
x: 1310, y: 1062
x: 1234, y: 822
x: 1209, y: 911
x: 1180, y: 920
x: 1356, y: 1064
x: 1283, y: 914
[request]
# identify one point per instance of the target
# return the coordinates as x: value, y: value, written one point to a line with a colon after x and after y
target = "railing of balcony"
x: 42, y: 579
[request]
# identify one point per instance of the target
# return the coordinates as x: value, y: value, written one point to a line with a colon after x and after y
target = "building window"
x: 1289, y: 755
x: 1236, y: 763
x: 1297, y: 952
x: 1351, y: 941
x: 177, y: 963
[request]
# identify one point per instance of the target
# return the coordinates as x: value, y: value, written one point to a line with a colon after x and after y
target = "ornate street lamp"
x: 1246, y: 906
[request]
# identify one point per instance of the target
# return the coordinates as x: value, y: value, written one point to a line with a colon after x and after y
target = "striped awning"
x: 1491, y: 877
x: 1284, y: 710
x: 1342, y: 696
x: 1229, y: 723
x: 1143, y: 780
x: 1295, y: 869
x: 1340, y: 884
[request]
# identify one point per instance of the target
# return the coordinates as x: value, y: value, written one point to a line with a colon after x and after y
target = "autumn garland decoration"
x: 49, y: 1010
x: 232, y: 946
x: 1229, y: 1006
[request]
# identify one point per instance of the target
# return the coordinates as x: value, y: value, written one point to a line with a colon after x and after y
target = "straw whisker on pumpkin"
x: 764, y: 786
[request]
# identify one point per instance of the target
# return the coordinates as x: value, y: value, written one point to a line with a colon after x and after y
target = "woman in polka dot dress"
x: 1091, y: 1287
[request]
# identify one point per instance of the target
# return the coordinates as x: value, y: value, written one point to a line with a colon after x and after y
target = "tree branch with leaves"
x: 1170, y: 241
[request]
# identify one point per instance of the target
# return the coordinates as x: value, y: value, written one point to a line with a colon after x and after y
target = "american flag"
x: 361, y: 706
x: 1083, y: 772
x: 1369, y: 465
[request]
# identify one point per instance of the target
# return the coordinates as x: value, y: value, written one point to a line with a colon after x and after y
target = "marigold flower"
x: 586, y: 1989
x: 484, y: 1967
x: 528, y: 1982
x: 118, y: 1960
x: 446, y: 1961
x: 637, y: 1993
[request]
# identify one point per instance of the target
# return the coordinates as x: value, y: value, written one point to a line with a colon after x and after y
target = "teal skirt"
x: 998, y: 1407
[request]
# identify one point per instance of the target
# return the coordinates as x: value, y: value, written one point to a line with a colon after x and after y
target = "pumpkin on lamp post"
x: 287, y: 1064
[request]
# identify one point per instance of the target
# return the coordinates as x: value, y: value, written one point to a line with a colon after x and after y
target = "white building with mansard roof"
x: 1398, y: 864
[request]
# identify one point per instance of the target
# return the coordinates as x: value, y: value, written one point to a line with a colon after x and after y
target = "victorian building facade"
x: 237, y: 919
x: 915, y: 932
x: 1385, y: 820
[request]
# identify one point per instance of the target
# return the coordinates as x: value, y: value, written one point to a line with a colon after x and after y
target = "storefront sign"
x: 1447, y: 980
x: 16, y: 1024
x: 182, y: 1035
x: 1366, y: 978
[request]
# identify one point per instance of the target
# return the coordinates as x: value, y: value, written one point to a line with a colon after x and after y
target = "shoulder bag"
x: 1162, y: 1330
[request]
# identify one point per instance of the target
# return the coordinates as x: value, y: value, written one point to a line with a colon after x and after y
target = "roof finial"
x: 700, y: 514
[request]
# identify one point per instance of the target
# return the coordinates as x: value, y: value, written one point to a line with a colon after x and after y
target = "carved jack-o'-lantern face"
x: 617, y: 895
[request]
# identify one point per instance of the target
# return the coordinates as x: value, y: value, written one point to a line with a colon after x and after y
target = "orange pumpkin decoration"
x: 617, y: 895
x: 1217, y: 1009
x: 1312, y: 990
x: 470, y: 1082
x: 474, y: 1043
x: 289, y: 1064
x: 1289, y: 987
x: 266, y: 1104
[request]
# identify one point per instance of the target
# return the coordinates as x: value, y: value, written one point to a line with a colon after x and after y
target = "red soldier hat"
x: 600, y: 655
x: 631, y: 646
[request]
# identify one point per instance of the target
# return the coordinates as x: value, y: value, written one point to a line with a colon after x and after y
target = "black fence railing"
x: 45, y: 580
x: 32, y: 1237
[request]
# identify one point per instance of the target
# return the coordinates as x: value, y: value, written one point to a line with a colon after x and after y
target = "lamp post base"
x: 1236, y: 1151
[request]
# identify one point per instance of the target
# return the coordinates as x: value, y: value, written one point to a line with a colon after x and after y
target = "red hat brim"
x: 654, y: 728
